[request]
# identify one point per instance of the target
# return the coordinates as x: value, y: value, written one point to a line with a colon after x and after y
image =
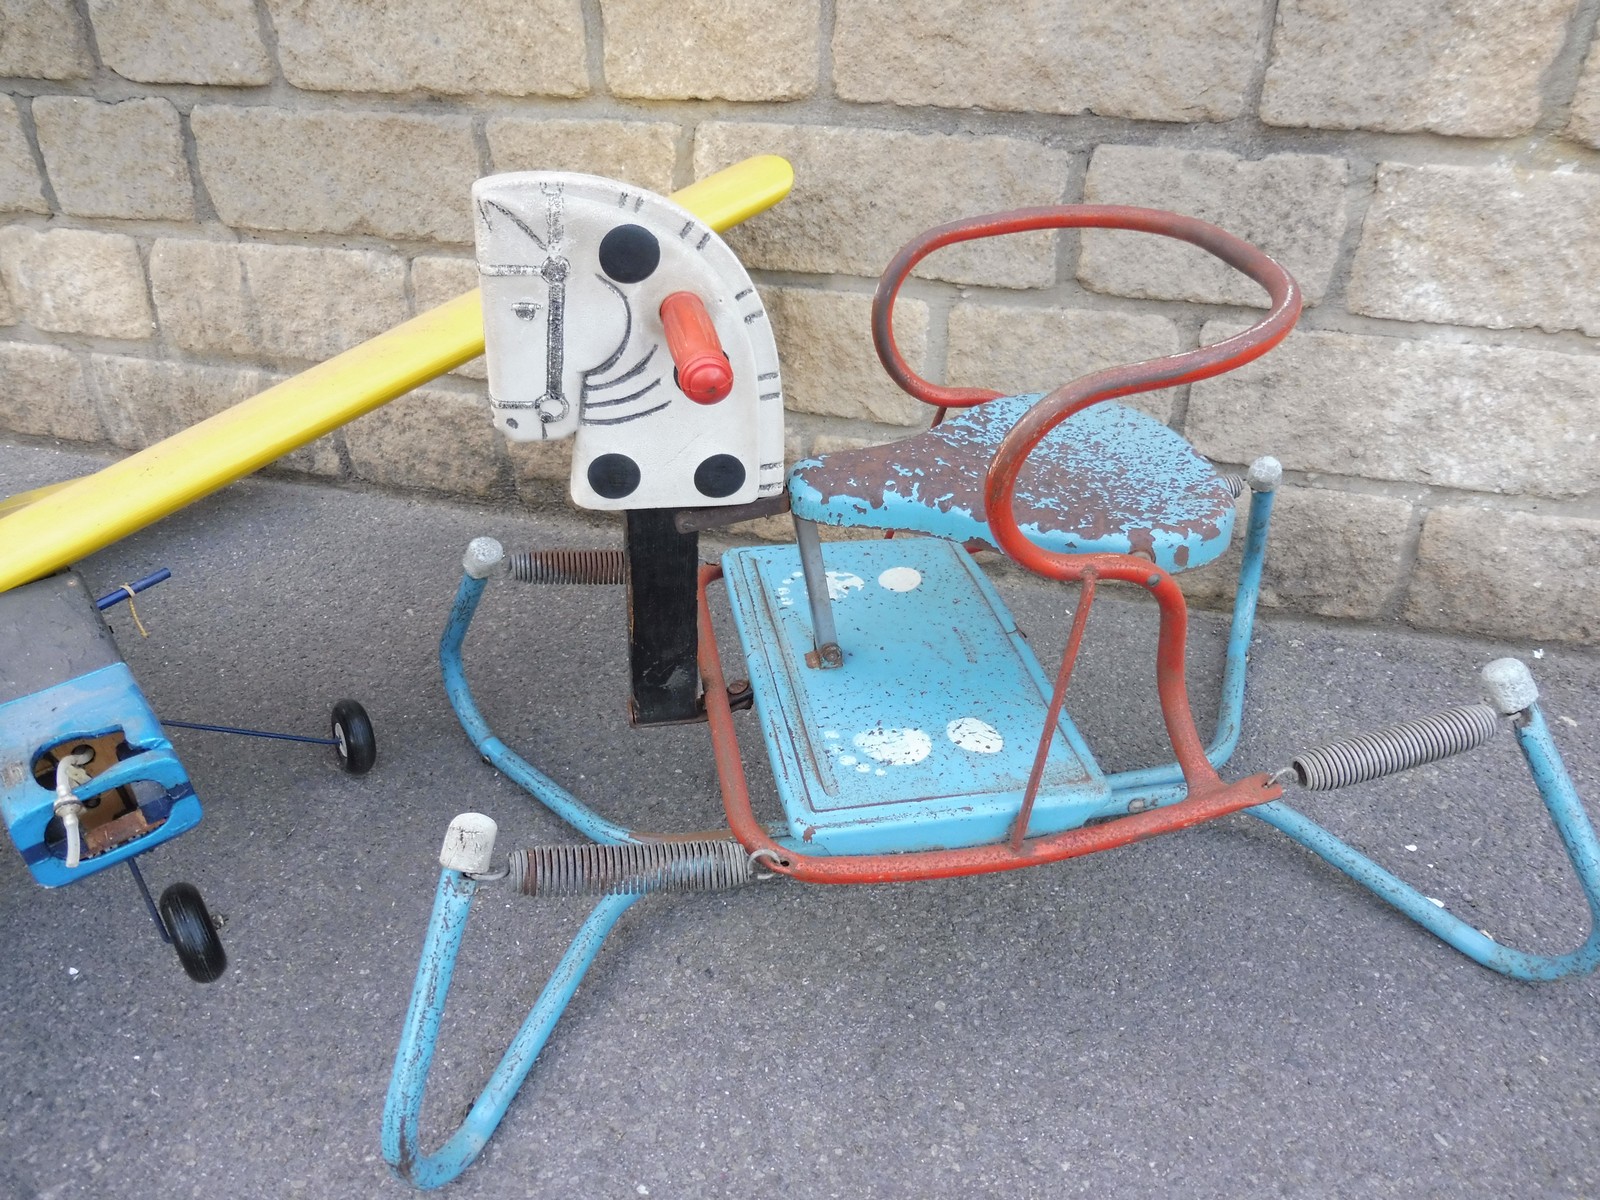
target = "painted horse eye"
x: 629, y: 253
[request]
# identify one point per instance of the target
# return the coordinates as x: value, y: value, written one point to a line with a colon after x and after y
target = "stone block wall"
x: 199, y: 197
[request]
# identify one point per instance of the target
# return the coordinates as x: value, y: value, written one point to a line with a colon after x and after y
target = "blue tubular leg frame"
x: 403, y: 1107
x: 1153, y: 786
x: 419, y: 1037
x: 500, y: 756
x: 1572, y: 823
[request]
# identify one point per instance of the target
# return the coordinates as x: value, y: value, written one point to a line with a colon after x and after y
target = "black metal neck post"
x: 663, y: 642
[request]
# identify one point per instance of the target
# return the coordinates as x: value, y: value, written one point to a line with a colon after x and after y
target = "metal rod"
x: 824, y: 635
x: 1577, y: 838
x: 698, y: 520
x: 1069, y: 658
x: 1230, y: 705
x: 258, y: 733
x: 508, y: 762
x: 129, y: 590
x: 155, y: 913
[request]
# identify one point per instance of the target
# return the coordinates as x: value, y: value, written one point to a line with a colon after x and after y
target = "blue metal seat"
x: 1108, y: 479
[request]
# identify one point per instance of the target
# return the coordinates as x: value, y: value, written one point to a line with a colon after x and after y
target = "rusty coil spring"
x: 1398, y: 748
x: 630, y: 869
x: 567, y: 566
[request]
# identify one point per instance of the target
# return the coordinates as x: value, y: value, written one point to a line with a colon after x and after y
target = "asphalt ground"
x: 1214, y: 1013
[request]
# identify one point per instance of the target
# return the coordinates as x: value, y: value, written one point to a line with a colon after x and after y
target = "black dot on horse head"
x: 629, y: 253
x: 720, y: 475
x: 614, y: 476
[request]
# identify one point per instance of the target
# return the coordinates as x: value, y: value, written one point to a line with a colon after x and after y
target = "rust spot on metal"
x: 697, y: 520
x: 829, y: 655
x: 741, y: 695
x: 1017, y: 502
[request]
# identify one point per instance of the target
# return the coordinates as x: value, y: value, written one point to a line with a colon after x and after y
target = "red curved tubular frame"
x: 1001, y: 481
x: 1118, y: 381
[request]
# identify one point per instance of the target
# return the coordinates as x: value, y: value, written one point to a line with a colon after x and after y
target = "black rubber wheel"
x: 193, y: 935
x: 352, y: 729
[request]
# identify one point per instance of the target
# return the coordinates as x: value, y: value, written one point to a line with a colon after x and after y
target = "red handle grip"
x: 704, y: 373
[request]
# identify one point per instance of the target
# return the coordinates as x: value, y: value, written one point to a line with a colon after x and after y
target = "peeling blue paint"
x: 1109, y: 479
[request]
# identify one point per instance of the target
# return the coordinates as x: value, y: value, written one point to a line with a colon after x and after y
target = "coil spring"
x: 1398, y: 748
x: 630, y: 869
x: 567, y: 566
x: 1237, y: 484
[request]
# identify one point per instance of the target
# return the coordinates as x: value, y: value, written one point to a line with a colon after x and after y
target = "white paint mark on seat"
x: 901, y: 579
x: 975, y: 736
x: 842, y: 583
x: 895, y: 747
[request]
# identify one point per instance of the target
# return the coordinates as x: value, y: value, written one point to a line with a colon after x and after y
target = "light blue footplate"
x: 906, y: 746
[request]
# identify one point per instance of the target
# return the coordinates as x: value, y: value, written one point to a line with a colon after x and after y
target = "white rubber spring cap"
x: 1510, y: 685
x: 469, y: 844
x: 1265, y: 474
x: 483, y: 555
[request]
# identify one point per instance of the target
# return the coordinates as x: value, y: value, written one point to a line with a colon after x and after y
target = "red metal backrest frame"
x: 1169, y: 371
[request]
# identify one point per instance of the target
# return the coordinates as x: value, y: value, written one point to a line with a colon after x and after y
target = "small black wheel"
x: 193, y: 934
x: 352, y: 729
